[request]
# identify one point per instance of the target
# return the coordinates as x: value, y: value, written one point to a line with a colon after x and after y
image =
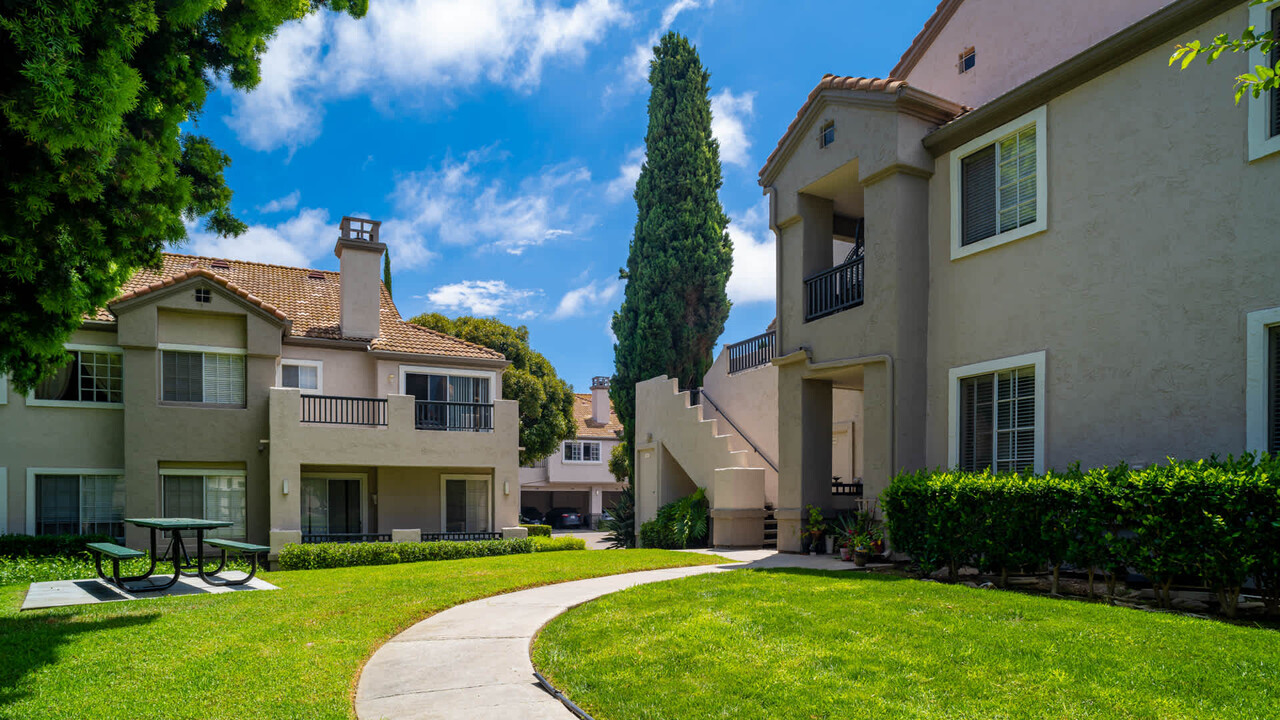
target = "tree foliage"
x: 97, y: 172
x: 386, y: 270
x: 621, y: 525
x: 546, y: 401
x: 675, y: 305
x: 1263, y: 77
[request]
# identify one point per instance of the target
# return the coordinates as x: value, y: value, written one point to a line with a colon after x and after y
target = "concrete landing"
x: 62, y: 593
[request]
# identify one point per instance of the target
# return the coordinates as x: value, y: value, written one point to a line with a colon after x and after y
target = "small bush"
x: 550, y: 544
x: 47, y: 545
x: 680, y: 524
x: 335, y: 555
x: 538, y: 530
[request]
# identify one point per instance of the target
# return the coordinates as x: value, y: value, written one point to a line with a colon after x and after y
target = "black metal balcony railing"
x: 751, y: 353
x: 453, y: 416
x: 339, y: 410
x: 460, y: 536
x: 313, y: 538
x: 835, y: 289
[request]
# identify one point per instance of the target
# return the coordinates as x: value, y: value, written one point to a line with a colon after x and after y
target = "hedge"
x: 549, y: 544
x: 335, y: 555
x: 47, y: 545
x: 1218, y: 520
x: 538, y: 530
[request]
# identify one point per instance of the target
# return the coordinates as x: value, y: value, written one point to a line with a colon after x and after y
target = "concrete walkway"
x: 472, y: 661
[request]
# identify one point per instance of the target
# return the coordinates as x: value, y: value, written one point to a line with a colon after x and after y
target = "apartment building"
x: 578, y: 476
x: 294, y: 403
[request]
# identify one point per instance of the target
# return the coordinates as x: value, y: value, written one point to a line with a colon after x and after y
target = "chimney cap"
x: 600, y: 381
x: 360, y: 229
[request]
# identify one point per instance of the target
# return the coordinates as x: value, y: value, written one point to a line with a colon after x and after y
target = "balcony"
x: 835, y: 289
x: 453, y: 416
x: 372, y: 412
x: 752, y: 352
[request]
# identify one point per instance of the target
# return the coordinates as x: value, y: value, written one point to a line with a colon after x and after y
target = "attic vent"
x: 220, y: 265
x: 203, y: 295
x: 195, y: 263
x: 315, y: 275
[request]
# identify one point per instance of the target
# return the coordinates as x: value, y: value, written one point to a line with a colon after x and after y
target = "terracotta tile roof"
x: 588, y: 428
x: 309, y: 299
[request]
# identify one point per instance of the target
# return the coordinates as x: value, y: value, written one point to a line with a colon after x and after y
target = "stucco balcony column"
x: 804, y: 451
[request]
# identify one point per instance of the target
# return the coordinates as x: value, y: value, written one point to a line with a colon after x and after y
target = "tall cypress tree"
x: 681, y: 256
x: 386, y: 270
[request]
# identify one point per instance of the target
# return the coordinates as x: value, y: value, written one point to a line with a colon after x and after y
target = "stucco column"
x: 286, y: 440
x: 506, y: 463
x: 804, y: 451
x: 816, y: 232
x: 646, y: 484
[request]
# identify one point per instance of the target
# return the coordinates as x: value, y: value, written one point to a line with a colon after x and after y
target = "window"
x: 449, y: 400
x: 332, y: 504
x: 94, y: 375
x: 968, y: 59
x: 202, y: 377
x: 203, y: 295
x: 1262, y: 381
x: 465, y: 507
x: 581, y: 451
x: 79, y: 504
x: 997, y: 415
x: 1264, y: 112
x: 307, y: 375
x: 827, y: 134
x: 209, y: 495
x: 998, y: 188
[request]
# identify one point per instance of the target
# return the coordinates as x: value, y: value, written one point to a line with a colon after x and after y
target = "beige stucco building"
x: 291, y: 402
x: 577, y: 476
x: 1057, y: 249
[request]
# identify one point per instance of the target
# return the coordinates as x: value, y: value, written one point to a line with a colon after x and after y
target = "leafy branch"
x: 1263, y: 77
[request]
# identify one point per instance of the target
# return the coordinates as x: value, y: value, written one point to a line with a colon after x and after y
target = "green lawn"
x: 814, y: 645
x: 292, y: 653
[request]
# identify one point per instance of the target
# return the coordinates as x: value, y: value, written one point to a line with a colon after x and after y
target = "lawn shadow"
x: 818, y: 572
x: 30, y: 642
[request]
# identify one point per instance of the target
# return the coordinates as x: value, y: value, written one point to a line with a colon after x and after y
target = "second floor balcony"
x: 372, y: 412
x: 837, y: 288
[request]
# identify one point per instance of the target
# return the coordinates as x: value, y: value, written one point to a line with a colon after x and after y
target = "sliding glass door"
x: 332, y: 504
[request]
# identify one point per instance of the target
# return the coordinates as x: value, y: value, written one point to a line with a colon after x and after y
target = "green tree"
x: 546, y: 401
x: 386, y: 270
x: 675, y: 305
x: 1263, y: 78
x: 97, y: 172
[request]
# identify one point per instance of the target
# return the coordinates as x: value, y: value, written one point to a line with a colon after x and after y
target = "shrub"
x: 621, y: 524
x: 336, y: 555
x: 679, y: 524
x: 657, y: 535
x: 550, y: 544
x: 47, y: 545
x: 538, y: 530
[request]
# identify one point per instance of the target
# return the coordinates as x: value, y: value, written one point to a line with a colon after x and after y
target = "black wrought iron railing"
x: 850, y: 489
x: 453, y: 416
x: 834, y: 289
x: 460, y: 536
x: 339, y: 410
x: 752, y: 352
x: 313, y: 538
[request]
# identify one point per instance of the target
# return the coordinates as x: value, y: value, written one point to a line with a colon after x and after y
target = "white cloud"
x: 483, y: 298
x: 409, y: 50
x: 453, y: 203
x: 288, y: 202
x: 608, y: 330
x: 294, y: 242
x: 729, y: 115
x: 628, y: 172
x: 637, y: 63
x: 754, y: 261
x: 590, y: 297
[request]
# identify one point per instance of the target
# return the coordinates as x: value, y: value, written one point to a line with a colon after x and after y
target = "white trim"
x: 317, y: 364
x: 364, y: 492
x: 582, y: 462
x: 32, y: 472
x: 1037, y: 117
x: 444, y: 500
x: 456, y: 372
x: 1260, y: 145
x: 176, y: 347
x: 1256, y: 385
x: 956, y: 374
x: 4, y: 500
x: 201, y: 472
x: 33, y: 401
x: 113, y: 349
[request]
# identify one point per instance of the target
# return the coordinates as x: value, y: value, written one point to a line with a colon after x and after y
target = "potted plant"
x: 846, y: 550
x: 814, y: 529
x: 861, y: 549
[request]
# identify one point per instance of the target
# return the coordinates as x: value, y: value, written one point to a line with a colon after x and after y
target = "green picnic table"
x: 184, y: 564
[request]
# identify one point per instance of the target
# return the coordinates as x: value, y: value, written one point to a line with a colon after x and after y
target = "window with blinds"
x: 466, y: 505
x: 998, y: 421
x: 200, y: 377
x: 998, y: 187
x: 90, y: 377
x: 581, y: 451
x: 1273, y: 390
x: 210, y: 496
x: 80, y: 505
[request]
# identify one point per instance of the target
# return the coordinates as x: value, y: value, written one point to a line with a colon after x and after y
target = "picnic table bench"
x: 183, y: 562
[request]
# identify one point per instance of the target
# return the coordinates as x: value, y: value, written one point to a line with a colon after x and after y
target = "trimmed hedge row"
x: 336, y: 555
x: 538, y: 530
x: 550, y: 544
x: 1214, y: 519
x: 47, y: 545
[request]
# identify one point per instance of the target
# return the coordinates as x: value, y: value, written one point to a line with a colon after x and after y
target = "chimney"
x: 360, y: 262
x: 600, y: 399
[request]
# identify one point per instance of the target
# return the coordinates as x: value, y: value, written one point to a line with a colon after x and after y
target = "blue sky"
x: 498, y: 141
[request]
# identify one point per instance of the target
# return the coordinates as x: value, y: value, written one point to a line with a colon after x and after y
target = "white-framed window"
x: 968, y: 59
x: 996, y: 414
x: 581, y: 451
x: 94, y: 377
x: 213, y: 376
x: 449, y: 398
x: 306, y: 375
x: 1264, y: 112
x: 207, y: 495
x: 464, y: 503
x: 333, y: 503
x: 998, y: 186
x: 827, y: 133
x: 1262, y: 381
x: 75, y: 501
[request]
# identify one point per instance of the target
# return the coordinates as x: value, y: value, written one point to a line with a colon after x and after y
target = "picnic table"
x: 184, y: 563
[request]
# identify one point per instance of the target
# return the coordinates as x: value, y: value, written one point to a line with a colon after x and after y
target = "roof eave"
x: 491, y: 363
x: 924, y: 39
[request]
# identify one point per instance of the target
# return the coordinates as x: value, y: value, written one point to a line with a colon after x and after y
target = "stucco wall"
x: 559, y: 471
x: 1014, y: 45
x: 346, y: 372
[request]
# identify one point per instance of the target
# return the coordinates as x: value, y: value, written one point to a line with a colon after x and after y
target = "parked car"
x: 562, y: 518
x: 530, y: 516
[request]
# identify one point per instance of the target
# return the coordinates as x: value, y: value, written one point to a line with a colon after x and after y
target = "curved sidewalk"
x: 472, y: 660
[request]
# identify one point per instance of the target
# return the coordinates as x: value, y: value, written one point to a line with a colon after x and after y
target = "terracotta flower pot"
x: 845, y: 554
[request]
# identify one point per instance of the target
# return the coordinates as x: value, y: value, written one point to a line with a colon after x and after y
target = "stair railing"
x: 708, y: 400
